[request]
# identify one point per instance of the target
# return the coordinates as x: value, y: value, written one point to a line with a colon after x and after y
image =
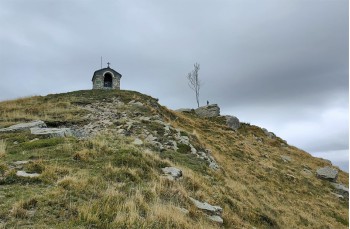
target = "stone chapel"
x: 106, y: 78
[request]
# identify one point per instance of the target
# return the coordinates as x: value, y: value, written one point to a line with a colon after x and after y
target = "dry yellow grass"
x: 114, y: 184
x: 2, y: 148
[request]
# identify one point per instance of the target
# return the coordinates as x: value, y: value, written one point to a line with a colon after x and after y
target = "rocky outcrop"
x: 24, y: 126
x: 209, y: 111
x: 52, y: 132
x: 232, y: 122
x: 327, y: 173
x: 172, y: 173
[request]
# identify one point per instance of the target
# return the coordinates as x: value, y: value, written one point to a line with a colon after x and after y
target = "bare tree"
x: 193, y: 81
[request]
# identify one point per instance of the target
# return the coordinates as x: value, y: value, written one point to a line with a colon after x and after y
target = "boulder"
x: 327, y: 173
x: 232, y: 122
x: 24, y: 126
x: 209, y: 111
x: 52, y: 132
x: 172, y: 172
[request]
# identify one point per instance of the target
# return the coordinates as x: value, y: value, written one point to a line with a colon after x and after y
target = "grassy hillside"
x: 104, y: 180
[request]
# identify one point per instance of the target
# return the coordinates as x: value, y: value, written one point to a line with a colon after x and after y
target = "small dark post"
x: 207, y: 102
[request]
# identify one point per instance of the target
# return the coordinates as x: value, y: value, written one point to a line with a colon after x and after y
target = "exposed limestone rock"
x: 209, y: 111
x: 172, y: 172
x: 232, y: 122
x: 137, y: 141
x: 25, y: 174
x: 215, y: 210
x: 20, y: 162
x: 24, y: 126
x: 52, y: 132
x: 286, y: 158
x: 327, y: 173
x: 214, y: 166
x: 341, y: 189
x: 216, y: 219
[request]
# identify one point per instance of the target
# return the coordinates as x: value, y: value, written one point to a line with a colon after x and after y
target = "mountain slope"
x: 109, y: 173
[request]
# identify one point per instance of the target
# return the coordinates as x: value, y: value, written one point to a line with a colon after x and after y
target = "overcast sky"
x: 278, y: 64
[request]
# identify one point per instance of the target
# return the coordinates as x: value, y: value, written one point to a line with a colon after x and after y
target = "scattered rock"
x: 327, y: 173
x: 216, y: 219
x: 20, y: 162
x: 269, y: 134
x: 52, y: 132
x: 337, y: 195
x: 25, y: 174
x: 183, y: 210
x: 215, y: 210
x: 172, y: 172
x: 341, y: 189
x: 137, y: 141
x: 232, y: 122
x: 286, y: 158
x: 209, y: 111
x: 33, y: 140
x: 306, y: 172
x: 24, y: 126
x: 214, y: 166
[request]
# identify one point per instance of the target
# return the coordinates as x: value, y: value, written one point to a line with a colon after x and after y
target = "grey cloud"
x: 273, y: 63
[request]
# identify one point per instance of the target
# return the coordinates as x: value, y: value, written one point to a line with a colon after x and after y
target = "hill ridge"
x: 109, y: 174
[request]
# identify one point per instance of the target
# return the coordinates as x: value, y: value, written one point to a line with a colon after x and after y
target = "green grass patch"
x: 42, y: 143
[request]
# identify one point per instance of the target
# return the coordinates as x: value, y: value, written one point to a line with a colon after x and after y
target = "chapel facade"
x: 106, y: 78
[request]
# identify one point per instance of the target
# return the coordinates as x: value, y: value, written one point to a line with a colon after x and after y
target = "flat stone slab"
x: 25, y: 174
x: 173, y: 172
x: 52, y: 132
x: 216, y: 219
x: 216, y: 210
x: 327, y: 173
x: 24, y: 126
